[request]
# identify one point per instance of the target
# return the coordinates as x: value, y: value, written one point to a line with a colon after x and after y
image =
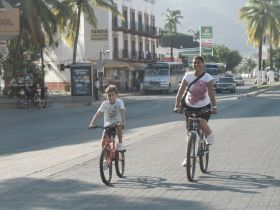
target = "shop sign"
x: 99, y: 34
x: 9, y: 22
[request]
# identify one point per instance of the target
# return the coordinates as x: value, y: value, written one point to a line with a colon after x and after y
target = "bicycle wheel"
x: 191, y: 157
x: 120, y: 163
x: 22, y: 102
x: 30, y: 104
x: 38, y: 102
x: 105, y: 166
x: 45, y: 99
x: 204, y: 157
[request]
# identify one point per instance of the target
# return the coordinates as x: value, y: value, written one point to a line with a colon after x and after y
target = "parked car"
x: 225, y: 84
x: 239, y: 80
x: 276, y: 76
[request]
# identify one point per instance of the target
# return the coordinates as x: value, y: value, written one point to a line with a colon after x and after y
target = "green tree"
x: 70, y: 28
x: 276, y: 58
x: 38, y: 28
x: 247, y: 66
x: 171, y: 21
x: 222, y: 54
x: 262, y: 18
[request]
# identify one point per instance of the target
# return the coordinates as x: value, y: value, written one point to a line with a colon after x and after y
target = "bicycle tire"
x: 37, y: 102
x: 30, y: 105
x: 191, y: 157
x: 105, y: 166
x: 204, y: 157
x: 22, y: 102
x: 120, y: 163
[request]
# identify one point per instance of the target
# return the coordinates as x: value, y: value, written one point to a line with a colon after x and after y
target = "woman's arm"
x: 211, y: 94
x: 180, y: 93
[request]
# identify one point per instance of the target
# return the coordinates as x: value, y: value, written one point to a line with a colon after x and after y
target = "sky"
x: 222, y: 15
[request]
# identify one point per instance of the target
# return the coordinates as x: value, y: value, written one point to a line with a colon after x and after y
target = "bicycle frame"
x: 196, y: 147
x: 108, y: 141
x: 193, y: 122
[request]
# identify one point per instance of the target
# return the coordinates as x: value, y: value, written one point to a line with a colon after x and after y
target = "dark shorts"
x: 205, y: 116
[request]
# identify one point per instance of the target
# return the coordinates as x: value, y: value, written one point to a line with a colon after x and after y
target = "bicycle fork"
x: 193, y: 136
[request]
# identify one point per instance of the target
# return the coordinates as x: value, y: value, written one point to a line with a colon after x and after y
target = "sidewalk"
x: 62, y: 99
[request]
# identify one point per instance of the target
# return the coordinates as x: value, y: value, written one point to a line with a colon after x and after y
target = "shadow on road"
x: 221, y: 181
x: 72, y: 195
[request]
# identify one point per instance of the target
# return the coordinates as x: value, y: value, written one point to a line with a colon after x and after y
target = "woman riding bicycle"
x: 199, y: 97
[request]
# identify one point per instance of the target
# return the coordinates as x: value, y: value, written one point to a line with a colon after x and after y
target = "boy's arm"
x: 94, y: 119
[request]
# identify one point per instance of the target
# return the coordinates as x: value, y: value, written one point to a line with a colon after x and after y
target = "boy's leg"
x: 103, y: 139
x: 119, y: 132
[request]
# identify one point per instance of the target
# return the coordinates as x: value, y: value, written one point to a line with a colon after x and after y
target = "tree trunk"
x: 171, y: 50
x: 43, y: 65
x: 79, y: 4
x: 271, y: 71
x: 259, y: 63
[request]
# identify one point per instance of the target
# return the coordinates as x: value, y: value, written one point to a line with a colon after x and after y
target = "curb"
x: 255, y: 93
x: 8, y: 106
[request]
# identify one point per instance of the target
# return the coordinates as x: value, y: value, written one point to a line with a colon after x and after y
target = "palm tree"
x: 38, y: 25
x: 171, y: 21
x: 71, y: 29
x: 4, y: 4
x: 262, y: 18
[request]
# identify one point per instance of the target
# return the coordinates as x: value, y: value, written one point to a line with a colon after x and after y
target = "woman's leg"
x: 204, y: 127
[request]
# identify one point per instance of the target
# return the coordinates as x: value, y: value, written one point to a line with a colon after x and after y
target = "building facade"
x: 118, y: 48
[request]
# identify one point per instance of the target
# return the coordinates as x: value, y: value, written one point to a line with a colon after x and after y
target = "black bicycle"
x: 197, y: 149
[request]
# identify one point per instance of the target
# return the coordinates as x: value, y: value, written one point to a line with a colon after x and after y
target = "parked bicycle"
x: 37, y: 98
x: 35, y: 102
x: 22, y: 100
x: 110, y: 154
x: 197, y: 149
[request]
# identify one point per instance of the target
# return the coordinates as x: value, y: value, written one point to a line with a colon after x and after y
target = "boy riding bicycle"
x: 114, y: 113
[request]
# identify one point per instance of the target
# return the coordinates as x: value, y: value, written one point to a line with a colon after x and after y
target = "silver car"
x: 239, y: 81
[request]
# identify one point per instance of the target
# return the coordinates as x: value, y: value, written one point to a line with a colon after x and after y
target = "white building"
x: 124, y: 45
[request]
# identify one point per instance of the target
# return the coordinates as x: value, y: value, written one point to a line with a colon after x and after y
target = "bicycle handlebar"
x: 184, y: 111
x: 104, y: 127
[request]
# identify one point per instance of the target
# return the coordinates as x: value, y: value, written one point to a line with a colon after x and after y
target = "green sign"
x: 206, y: 32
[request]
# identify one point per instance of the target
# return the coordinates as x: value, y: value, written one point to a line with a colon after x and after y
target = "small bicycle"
x: 110, y: 154
x: 196, y: 146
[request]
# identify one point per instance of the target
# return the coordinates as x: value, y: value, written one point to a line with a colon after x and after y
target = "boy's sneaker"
x: 184, y: 163
x: 120, y: 147
x: 210, y: 139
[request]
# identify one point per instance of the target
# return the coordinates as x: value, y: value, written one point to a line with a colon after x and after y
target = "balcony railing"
x: 135, y: 28
x: 133, y: 55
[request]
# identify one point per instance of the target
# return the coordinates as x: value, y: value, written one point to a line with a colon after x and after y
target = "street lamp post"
x: 100, y: 68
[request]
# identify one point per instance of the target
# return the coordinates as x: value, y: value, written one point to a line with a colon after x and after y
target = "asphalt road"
x: 49, y: 160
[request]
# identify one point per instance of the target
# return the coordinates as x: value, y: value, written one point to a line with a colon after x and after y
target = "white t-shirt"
x: 197, y: 95
x: 112, y: 112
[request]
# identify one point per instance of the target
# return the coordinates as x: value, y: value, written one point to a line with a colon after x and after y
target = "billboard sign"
x: 206, y: 40
x: 9, y: 23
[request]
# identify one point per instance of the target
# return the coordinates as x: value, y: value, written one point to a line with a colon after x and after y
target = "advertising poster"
x: 81, y: 81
